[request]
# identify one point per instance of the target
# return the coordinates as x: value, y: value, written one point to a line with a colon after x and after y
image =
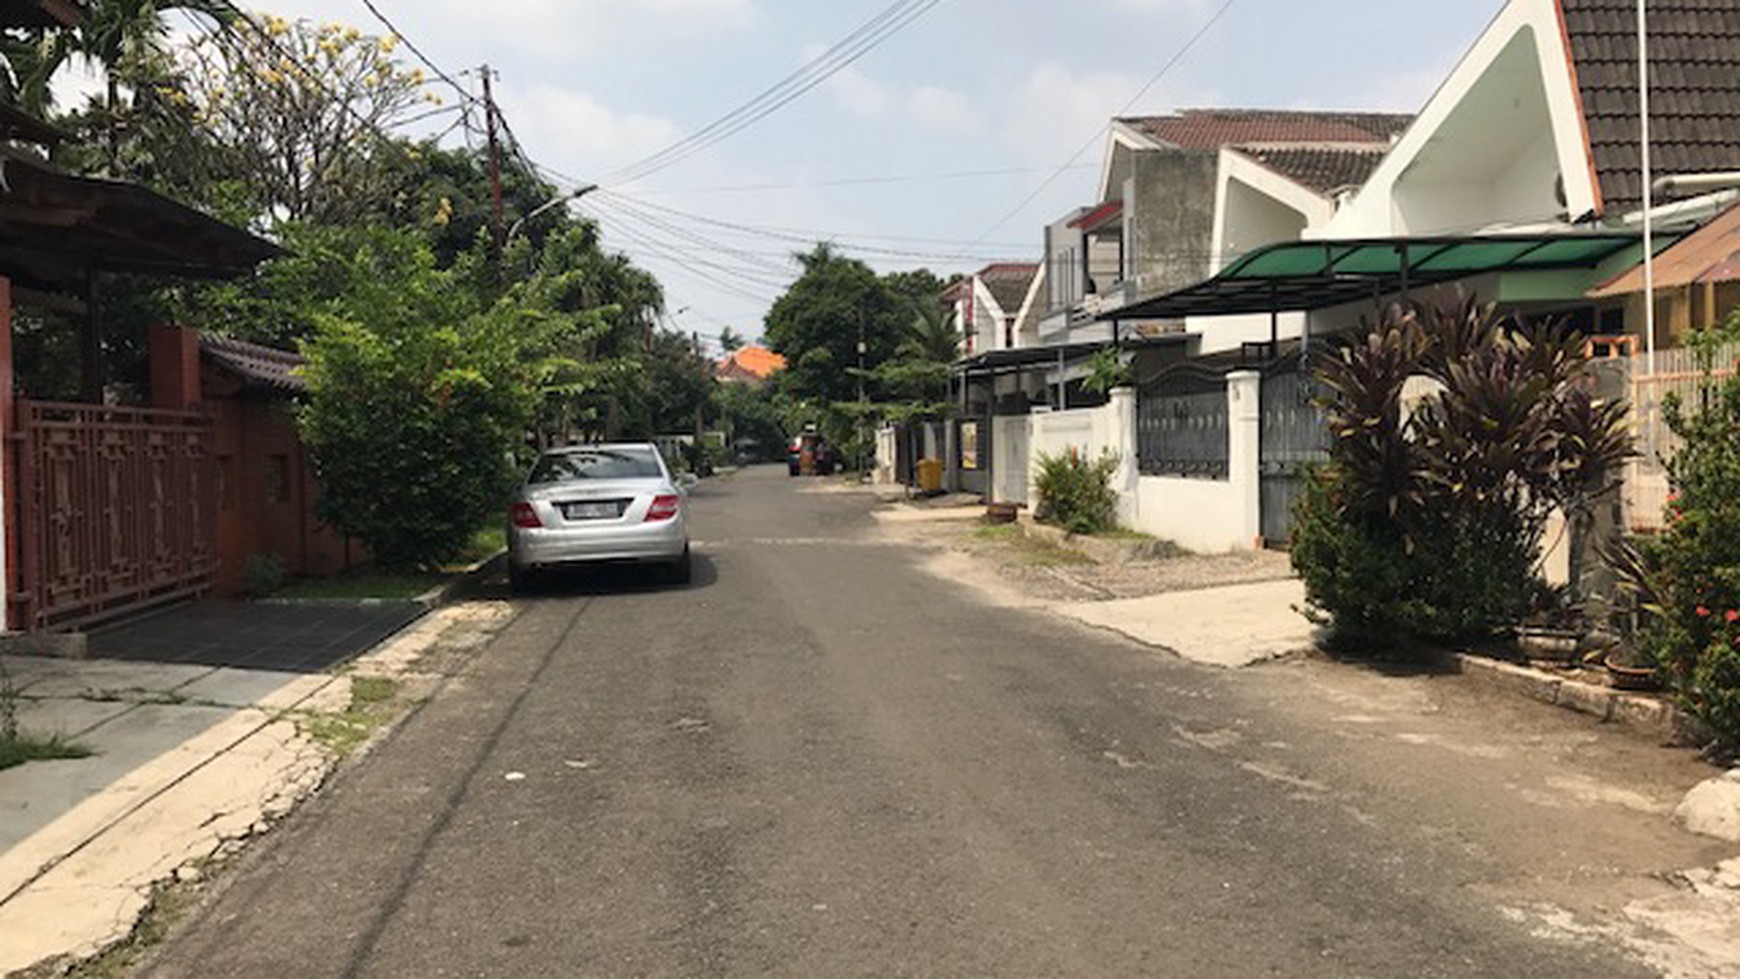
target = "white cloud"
x: 580, y: 135
x: 1056, y: 108
x: 929, y: 105
x: 942, y: 108
x: 858, y: 92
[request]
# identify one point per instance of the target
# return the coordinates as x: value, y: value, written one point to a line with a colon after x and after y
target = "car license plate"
x: 590, y: 511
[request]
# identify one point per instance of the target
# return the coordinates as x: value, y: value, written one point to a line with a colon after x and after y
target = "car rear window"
x: 575, y: 464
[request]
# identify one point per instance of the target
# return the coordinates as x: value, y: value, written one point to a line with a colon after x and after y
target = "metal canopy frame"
x: 1311, y: 275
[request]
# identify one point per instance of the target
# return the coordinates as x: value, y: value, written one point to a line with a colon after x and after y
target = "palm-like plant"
x: 125, y: 38
x: 931, y: 335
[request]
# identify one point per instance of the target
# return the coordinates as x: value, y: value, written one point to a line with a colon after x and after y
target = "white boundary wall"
x: 1212, y: 515
x: 1207, y: 515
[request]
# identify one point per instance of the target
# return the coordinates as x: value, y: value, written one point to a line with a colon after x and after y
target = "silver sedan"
x: 590, y: 504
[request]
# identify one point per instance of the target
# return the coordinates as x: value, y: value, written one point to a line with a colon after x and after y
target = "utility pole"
x: 494, y: 151
x: 861, y: 403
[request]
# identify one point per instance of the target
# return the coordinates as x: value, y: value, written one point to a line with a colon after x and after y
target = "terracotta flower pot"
x: 1625, y: 677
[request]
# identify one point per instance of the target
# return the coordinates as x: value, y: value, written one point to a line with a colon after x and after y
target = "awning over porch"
x: 1311, y: 275
x: 1021, y: 358
x: 56, y: 229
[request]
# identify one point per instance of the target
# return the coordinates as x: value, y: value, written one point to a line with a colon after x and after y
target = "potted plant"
x: 1630, y: 667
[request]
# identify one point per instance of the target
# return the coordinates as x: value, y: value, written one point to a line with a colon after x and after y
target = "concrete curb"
x: 1650, y: 716
x: 447, y: 592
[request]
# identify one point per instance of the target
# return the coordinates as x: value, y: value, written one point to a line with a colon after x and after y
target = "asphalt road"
x: 818, y: 762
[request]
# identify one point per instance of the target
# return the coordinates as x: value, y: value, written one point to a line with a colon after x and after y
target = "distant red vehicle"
x: 810, y: 455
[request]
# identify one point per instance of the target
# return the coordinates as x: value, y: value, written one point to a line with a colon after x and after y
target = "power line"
x: 806, y: 238
x: 861, y: 181
x: 464, y: 94
x: 855, y: 45
x: 1093, y: 140
x: 696, y: 267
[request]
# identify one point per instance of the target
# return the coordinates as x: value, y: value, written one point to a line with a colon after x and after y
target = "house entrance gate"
x: 117, y: 509
x: 1292, y: 437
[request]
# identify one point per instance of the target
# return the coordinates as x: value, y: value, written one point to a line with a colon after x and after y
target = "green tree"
x: 817, y: 324
x: 418, y: 401
x: 731, y: 341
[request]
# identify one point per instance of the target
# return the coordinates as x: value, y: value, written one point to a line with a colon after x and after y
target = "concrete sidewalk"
x: 1230, y: 626
x: 188, y: 761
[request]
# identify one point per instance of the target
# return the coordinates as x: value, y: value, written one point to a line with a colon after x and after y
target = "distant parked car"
x: 594, y: 504
x: 811, y: 455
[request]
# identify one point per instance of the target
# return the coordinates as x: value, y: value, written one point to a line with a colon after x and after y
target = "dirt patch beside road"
x: 1040, y: 571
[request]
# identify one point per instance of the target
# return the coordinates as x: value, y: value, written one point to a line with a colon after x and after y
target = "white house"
x: 1519, y: 180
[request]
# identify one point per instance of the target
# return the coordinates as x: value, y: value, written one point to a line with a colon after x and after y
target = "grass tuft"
x: 371, y: 699
x: 24, y: 747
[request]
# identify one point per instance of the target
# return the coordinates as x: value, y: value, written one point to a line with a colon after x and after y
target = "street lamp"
x: 572, y: 195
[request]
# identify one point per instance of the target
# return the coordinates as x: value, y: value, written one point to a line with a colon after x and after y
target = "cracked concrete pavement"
x: 188, y: 762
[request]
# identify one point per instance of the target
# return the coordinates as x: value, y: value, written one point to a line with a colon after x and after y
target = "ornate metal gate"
x: 1291, y: 437
x: 117, y: 509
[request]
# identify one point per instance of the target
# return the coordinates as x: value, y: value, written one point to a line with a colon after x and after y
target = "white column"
x: 1121, y: 421
x: 1244, y: 463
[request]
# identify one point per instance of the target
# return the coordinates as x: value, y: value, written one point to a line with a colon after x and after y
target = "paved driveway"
x: 300, y: 637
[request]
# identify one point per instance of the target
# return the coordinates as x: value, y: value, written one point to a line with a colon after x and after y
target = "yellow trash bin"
x: 930, y: 475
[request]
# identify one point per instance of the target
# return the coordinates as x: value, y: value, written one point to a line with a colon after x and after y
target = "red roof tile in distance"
x: 756, y: 362
x: 1209, y: 129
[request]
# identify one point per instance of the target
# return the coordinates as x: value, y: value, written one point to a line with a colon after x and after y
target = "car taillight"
x: 663, y: 508
x: 521, y: 514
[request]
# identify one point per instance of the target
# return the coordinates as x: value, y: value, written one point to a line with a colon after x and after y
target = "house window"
x: 1008, y: 333
x: 277, y: 478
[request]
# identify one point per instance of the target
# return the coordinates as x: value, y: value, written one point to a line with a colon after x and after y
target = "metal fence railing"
x: 1182, y: 424
x: 1677, y: 372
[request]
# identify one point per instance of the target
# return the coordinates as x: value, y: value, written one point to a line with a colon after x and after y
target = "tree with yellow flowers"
x: 301, y: 109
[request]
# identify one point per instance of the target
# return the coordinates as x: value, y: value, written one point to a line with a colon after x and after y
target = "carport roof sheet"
x: 1307, y: 275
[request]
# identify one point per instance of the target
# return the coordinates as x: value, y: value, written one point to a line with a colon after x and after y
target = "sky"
x: 920, y: 153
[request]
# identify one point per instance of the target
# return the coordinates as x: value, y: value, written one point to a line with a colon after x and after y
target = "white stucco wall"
x: 1197, y: 514
x: 1488, y: 144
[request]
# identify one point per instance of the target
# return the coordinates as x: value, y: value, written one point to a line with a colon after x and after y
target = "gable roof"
x: 1709, y: 254
x: 1323, y: 167
x: 257, y: 366
x: 1694, y: 53
x: 1008, y: 283
x: 750, y: 364
x: 1209, y: 129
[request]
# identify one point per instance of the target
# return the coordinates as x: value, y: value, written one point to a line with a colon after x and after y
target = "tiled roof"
x: 257, y: 366
x: 1694, y: 53
x: 751, y: 363
x: 1708, y: 254
x: 1008, y: 283
x: 1323, y: 167
x: 1209, y: 129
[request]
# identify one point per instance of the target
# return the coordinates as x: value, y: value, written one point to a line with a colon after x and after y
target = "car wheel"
x: 682, y: 570
x: 519, y: 578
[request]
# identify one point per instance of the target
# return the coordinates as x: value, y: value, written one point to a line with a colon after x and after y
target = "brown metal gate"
x: 117, y: 510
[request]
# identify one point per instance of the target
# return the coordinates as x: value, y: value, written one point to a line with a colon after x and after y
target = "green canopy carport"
x: 1311, y: 275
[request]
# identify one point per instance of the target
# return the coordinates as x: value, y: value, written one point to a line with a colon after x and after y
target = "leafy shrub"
x: 1688, y: 576
x: 418, y: 398
x: 263, y: 575
x: 1076, y: 494
x: 1363, y: 578
x: 1427, y: 525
